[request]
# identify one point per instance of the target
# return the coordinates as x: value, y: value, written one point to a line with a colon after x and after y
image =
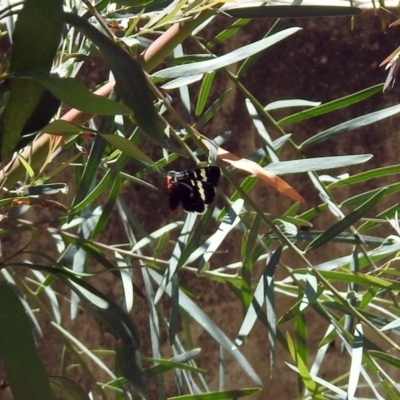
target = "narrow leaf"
x: 211, y: 245
x: 305, y: 376
x: 262, y: 290
x: 356, y: 362
x: 276, y: 105
x: 31, y: 50
x: 212, y: 110
x: 131, y: 80
x: 303, y: 11
x: 215, y: 331
x: 89, y: 174
x: 225, y: 60
x: 351, y: 125
x: 316, y: 164
x: 366, y: 176
x: 361, y: 198
x: 176, y: 259
x: 25, y: 371
x: 331, y: 106
x: 61, y: 127
x: 346, y: 222
x: 127, y: 147
x: 204, y: 92
x: 66, y: 389
x: 225, y: 395
x: 74, y: 93
x: 104, y: 184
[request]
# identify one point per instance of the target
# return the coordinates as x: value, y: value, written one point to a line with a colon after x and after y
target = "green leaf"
x: 316, y: 164
x: 276, y: 105
x: 25, y: 371
x: 89, y: 173
x: 127, y: 147
x: 356, y: 361
x: 305, y: 376
x: 61, y: 127
x: 366, y: 176
x: 249, y: 240
x: 214, y: 330
x: 181, y: 82
x: 262, y: 291
x: 32, y: 50
x: 177, y: 260
x: 44, y: 111
x: 26, y: 165
x: 331, y: 106
x: 387, y: 358
x: 122, y: 327
x: 131, y: 81
x: 225, y: 395
x: 360, y: 278
x: 228, y: 32
x: 204, y: 92
x: 269, y: 293
x: 344, y: 262
x: 346, y: 222
x: 225, y: 60
x: 73, y: 92
x: 344, y: 237
x: 290, y: 11
x: 351, y: 125
x: 136, y: 6
x: 115, y: 319
x: 212, y: 110
x: 104, y: 184
x: 301, y: 336
x: 360, y: 198
x: 65, y: 389
x: 106, y: 212
x: 381, y: 218
x: 261, y: 129
x: 180, y: 361
x: 211, y: 245
x: 145, y: 241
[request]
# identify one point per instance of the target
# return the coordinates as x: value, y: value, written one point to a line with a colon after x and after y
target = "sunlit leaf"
x: 289, y: 11
x: 351, y: 125
x: 225, y: 60
x: 331, y: 106
x: 356, y: 361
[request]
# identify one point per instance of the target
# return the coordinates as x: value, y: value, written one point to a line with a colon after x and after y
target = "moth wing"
x: 213, y: 175
x: 208, y: 191
x: 193, y: 188
x: 207, y: 174
x: 174, y: 196
x: 193, y: 196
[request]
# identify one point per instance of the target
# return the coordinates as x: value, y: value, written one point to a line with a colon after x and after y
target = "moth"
x: 193, y: 188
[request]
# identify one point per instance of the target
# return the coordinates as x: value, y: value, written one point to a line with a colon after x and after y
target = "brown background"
x: 324, y: 61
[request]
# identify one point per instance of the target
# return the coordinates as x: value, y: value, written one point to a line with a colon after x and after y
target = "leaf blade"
x: 225, y: 60
x: 28, y: 379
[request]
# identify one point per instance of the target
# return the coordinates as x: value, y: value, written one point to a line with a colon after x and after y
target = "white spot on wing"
x: 201, y: 190
x: 203, y: 174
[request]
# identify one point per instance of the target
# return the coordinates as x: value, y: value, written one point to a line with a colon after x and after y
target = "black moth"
x: 193, y: 188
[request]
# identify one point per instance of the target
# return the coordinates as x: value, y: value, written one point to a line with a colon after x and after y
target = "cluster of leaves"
x: 41, y: 74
